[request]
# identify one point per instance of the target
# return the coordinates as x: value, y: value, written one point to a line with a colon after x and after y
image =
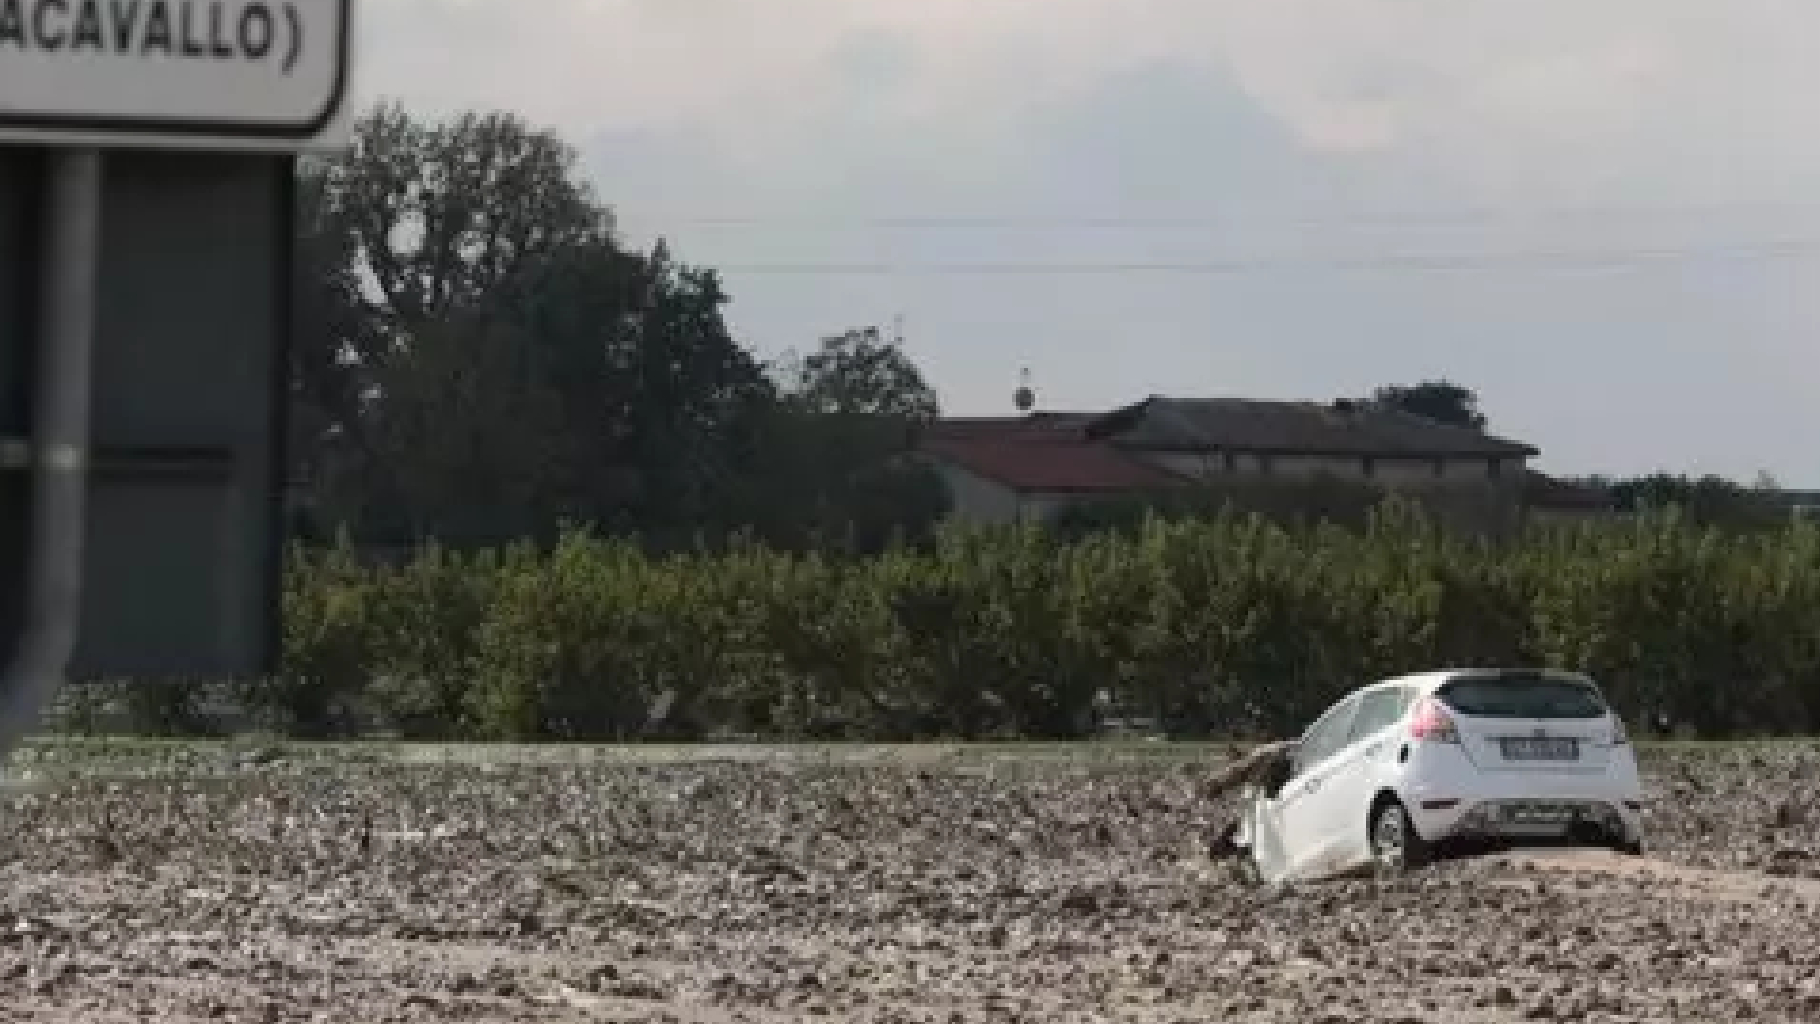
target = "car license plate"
x: 1533, y: 748
x: 1526, y: 813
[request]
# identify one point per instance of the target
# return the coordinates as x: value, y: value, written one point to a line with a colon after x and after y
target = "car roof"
x: 1426, y: 683
x: 1434, y: 679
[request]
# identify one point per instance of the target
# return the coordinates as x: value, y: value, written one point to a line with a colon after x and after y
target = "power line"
x: 1170, y: 222
x: 1409, y: 262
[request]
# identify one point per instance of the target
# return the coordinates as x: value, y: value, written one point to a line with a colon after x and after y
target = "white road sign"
x: 199, y: 74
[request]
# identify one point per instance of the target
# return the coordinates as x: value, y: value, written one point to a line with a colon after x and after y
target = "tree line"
x: 1225, y: 627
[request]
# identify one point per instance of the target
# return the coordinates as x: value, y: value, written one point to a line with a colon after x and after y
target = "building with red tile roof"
x: 1011, y: 469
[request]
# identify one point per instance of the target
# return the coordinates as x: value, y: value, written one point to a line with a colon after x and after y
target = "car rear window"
x: 1522, y: 697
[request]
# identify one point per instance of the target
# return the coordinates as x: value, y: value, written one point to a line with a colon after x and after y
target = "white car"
x: 1398, y: 771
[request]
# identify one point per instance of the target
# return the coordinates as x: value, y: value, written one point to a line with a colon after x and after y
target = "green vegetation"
x: 1225, y: 627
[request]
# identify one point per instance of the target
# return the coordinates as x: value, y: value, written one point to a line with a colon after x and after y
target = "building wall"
x: 1384, y: 471
x: 1469, y: 495
x: 1801, y: 505
x: 978, y: 501
x: 1465, y: 494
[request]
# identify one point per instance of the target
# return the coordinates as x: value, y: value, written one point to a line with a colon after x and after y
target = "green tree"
x: 478, y: 356
x: 334, y: 341
x: 857, y: 372
x: 835, y: 456
x: 1702, y: 501
x: 686, y: 399
x: 407, y: 243
x: 1438, y: 400
x: 444, y: 213
x: 454, y: 435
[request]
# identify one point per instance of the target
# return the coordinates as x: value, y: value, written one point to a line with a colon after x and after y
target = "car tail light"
x: 1431, y: 722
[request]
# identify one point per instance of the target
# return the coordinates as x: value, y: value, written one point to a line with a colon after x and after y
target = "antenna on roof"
x: 1025, y: 396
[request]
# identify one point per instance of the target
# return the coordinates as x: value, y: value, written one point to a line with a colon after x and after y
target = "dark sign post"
x: 56, y: 452
x: 146, y: 230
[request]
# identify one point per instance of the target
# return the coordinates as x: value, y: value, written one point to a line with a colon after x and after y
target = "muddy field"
x: 183, y: 883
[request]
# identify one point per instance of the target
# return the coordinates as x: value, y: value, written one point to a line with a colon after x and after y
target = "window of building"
x: 1494, y: 468
x: 1368, y: 466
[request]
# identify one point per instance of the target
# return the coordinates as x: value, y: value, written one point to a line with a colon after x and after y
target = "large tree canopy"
x: 480, y: 358
x: 444, y: 214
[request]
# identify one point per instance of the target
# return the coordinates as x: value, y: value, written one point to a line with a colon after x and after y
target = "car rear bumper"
x: 1518, y: 805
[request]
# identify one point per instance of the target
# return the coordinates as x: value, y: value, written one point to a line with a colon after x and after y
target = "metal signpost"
x: 147, y: 150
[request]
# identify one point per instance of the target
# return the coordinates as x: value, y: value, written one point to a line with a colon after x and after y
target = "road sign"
x: 251, y: 75
x: 187, y: 465
x: 163, y: 447
x: 154, y: 287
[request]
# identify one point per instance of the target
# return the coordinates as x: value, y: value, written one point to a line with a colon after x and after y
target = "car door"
x: 1300, y: 810
x: 1352, y: 775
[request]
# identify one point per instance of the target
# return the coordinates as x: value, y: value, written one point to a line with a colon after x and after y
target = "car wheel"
x: 1396, y: 846
x: 1629, y: 847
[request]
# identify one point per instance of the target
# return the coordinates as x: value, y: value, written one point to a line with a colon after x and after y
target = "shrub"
x: 1219, y: 625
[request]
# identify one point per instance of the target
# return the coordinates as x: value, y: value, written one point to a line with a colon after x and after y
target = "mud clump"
x: 788, y: 888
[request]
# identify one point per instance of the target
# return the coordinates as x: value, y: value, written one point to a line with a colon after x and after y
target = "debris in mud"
x: 863, y: 892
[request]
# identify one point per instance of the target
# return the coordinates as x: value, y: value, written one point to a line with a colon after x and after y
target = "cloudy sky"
x: 1599, y: 213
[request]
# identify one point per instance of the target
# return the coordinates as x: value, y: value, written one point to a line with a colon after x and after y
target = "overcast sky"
x: 1598, y: 213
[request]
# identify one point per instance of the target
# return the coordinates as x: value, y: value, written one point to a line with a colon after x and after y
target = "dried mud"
x: 279, y: 889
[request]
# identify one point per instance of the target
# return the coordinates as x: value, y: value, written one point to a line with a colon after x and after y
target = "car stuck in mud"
x: 1415, y: 767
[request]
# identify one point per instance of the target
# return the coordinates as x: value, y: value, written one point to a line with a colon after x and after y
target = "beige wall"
x: 975, y: 499
x: 978, y: 501
x: 983, y: 502
x: 1389, y: 472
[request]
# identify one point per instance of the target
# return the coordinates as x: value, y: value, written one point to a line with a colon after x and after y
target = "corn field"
x: 1223, y: 627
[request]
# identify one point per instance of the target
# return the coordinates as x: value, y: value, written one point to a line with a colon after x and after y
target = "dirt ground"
x: 942, y: 888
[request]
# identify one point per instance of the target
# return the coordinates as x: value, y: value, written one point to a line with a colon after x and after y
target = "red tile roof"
x: 1036, y: 425
x: 1028, y: 458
